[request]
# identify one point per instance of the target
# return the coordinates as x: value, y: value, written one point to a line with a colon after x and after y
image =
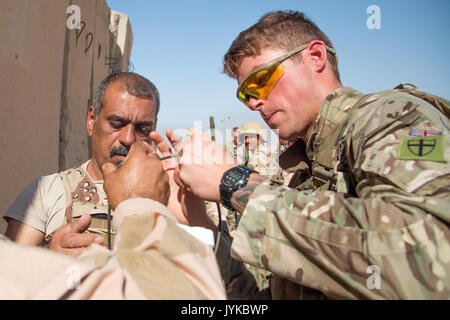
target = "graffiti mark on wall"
x: 74, y: 22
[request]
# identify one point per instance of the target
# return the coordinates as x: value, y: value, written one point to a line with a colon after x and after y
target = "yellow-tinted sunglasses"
x: 261, y: 81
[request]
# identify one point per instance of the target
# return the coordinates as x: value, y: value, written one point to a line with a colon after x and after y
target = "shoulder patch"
x: 427, y: 148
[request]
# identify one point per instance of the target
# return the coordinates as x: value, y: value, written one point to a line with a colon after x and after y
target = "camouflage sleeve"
x: 392, y: 241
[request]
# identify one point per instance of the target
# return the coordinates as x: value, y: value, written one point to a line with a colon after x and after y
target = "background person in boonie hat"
x: 253, y: 151
x: 252, y: 134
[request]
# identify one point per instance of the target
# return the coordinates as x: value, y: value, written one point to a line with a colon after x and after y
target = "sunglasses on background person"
x: 261, y: 81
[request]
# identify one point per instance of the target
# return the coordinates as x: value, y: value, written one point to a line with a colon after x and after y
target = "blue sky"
x: 179, y: 45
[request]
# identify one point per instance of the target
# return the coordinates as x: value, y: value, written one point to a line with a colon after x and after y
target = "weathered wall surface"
x: 121, y: 41
x: 47, y: 82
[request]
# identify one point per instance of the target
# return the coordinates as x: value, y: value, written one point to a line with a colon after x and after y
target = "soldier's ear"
x: 317, y: 55
x: 90, y: 120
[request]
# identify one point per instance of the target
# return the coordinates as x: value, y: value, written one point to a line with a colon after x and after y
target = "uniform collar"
x: 294, y: 157
x: 333, y: 110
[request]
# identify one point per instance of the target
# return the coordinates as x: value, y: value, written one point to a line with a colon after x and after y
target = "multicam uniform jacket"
x: 372, y: 219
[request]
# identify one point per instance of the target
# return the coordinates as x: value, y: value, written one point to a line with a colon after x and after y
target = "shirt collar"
x: 335, y: 107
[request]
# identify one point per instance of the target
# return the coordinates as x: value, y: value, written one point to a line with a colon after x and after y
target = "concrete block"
x: 121, y: 41
x: 88, y: 63
x: 77, y: 87
x: 31, y: 55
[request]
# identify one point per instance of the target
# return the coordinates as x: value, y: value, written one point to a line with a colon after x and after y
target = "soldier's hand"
x: 140, y: 176
x: 202, y: 164
x: 71, y: 240
x: 187, y: 208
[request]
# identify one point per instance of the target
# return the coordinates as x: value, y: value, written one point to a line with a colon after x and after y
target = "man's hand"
x: 140, y: 176
x: 187, y: 208
x: 71, y: 240
x: 202, y: 164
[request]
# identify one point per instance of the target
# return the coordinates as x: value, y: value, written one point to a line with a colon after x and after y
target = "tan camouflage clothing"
x: 213, y: 212
x: 231, y: 149
x: 371, y: 226
x: 262, y: 159
x: 83, y: 196
x: 153, y: 258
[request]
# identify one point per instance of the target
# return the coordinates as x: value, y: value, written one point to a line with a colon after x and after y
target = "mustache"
x: 119, y: 151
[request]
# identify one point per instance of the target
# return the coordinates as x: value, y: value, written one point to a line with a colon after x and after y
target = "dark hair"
x: 284, y: 30
x: 133, y: 83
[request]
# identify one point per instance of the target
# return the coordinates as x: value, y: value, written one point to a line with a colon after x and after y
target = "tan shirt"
x: 42, y: 204
x: 263, y: 159
x: 153, y: 258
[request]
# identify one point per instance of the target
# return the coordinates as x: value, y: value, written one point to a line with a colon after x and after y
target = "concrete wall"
x: 121, y: 41
x: 48, y: 76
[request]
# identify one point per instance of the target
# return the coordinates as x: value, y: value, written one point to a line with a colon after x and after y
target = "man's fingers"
x: 148, y: 147
x: 175, y: 141
x: 139, y: 148
x: 162, y: 146
x: 165, y: 150
x: 73, y: 240
x: 82, y: 224
x: 71, y: 252
x: 99, y: 240
x: 108, y: 168
x: 138, y: 152
x: 135, y: 149
x: 176, y: 177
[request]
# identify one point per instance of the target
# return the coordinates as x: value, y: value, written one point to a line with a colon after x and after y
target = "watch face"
x: 233, y: 177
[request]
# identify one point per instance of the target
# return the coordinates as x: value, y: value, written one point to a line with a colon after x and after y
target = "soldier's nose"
x: 254, y: 103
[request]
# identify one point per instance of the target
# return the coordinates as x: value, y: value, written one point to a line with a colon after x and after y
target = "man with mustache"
x: 125, y: 111
x: 48, y: 211
x: 119, y: 151
x: 146, y: 230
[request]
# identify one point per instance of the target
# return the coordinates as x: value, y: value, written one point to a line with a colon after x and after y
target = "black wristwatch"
x: 232, y: 180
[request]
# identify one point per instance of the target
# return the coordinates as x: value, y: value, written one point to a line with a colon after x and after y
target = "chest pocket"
x: 101, y: 223
x: 83, y: 198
